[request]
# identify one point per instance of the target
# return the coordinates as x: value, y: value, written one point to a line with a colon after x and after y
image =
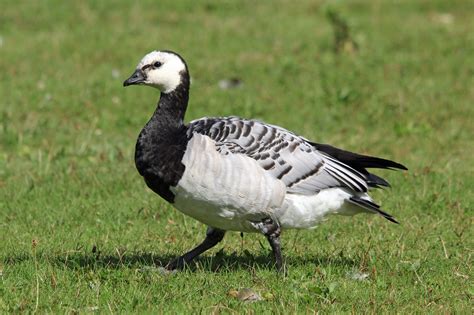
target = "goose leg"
x: 213, y: 236
x: 271, y: 230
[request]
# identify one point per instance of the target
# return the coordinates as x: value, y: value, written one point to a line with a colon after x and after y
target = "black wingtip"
x: 396, y: 165
x: 376, y: 181
x: 356, y: 160
x: 393, y: 220
x: 375, y: 162
x: 388, y: 216
x: 372, y: 206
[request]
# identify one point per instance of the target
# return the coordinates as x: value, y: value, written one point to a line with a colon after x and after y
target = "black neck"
x: 162, y: 142
x: 171, y: 108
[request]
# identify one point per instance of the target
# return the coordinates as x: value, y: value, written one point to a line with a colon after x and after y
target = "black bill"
x: 136, y: 78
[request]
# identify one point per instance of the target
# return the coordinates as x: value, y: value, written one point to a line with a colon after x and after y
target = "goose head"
x: 164, y: 70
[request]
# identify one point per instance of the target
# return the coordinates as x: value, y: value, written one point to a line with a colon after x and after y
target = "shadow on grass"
x: 215, y: 263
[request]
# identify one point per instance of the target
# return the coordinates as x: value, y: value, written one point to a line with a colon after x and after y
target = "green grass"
x: 68, y: 130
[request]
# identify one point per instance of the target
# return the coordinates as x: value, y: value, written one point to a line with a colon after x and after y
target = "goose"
x: 235, y: 174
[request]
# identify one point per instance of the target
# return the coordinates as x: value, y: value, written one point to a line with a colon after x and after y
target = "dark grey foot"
x: 271, y: 229
x: 213, y: 236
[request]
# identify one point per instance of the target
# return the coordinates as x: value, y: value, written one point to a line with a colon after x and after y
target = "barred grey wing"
x: 287, y: 156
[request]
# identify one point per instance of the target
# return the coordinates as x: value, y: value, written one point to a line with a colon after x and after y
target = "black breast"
x: 158, y: 159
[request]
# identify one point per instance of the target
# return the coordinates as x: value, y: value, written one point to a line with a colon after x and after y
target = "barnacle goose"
x: 235, y: 174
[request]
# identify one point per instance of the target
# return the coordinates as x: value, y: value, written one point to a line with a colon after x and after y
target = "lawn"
x: 79, y: 230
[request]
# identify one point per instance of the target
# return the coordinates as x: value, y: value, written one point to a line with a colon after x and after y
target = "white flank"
x: 225, y: 191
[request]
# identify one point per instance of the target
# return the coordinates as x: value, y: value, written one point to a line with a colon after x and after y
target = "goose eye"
x: 157, y: 64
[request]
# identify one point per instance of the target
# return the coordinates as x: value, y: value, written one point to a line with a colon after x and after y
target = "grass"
x: 79, y: 230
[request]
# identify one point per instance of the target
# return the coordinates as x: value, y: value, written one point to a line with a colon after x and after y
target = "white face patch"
x: 165, y: 77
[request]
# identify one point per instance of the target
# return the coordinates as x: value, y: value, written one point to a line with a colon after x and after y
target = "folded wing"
x: 304, y: 167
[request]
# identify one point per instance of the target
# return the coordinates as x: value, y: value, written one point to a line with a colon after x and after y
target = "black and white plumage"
x: 243, y: 175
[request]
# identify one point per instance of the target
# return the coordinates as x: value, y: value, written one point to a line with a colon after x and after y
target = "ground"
x: 79, y: 230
